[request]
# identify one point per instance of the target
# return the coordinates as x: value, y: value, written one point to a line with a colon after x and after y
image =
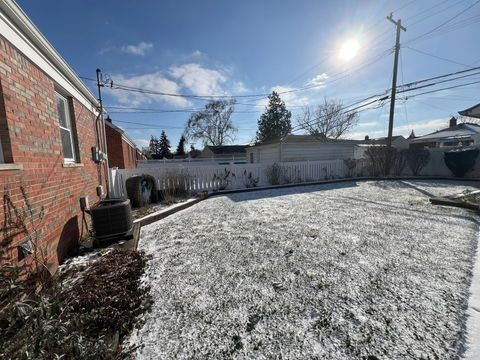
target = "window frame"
x: 69, y: 122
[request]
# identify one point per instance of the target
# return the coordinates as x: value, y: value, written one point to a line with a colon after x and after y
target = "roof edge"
x: 25, y: 30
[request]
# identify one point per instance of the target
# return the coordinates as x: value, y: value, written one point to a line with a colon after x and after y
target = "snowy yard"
x: 343, y: 271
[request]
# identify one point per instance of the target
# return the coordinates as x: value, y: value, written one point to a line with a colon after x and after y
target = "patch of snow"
x: 337, y: 271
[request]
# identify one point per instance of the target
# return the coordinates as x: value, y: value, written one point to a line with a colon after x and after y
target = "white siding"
x: 313, y: 151
x: 264, y: 153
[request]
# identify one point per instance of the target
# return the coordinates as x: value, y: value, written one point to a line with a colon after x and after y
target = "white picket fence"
x: 198, y: 177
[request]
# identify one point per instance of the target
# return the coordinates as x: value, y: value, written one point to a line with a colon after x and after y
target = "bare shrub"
x: 350, y: 164
x: 249, y: 180
x: 83, y: 315
x: 223, y: 179
x: 377, y: 159
x: 175, y: 186
x: 399, y: 162
x: 276, y: 175
x: 417, y: 159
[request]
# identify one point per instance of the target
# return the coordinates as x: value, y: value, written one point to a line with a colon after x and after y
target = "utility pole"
x: 102, y: 137
x: 399, y: 26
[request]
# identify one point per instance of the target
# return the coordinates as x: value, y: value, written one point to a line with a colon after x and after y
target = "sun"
x: 349, y: 50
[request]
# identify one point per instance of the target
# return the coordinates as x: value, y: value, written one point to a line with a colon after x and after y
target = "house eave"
x: 19, y: 30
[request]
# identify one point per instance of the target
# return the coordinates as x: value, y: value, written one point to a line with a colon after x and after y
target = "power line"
x: 436, y: 56
x: 443, y: 23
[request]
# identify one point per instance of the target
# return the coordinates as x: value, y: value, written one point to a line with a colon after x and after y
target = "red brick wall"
x: 29, y: 114
x: 120, y: 153
x: 114, y: 148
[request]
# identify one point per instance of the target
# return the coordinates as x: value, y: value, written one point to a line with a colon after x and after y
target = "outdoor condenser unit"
x: 112, y: 218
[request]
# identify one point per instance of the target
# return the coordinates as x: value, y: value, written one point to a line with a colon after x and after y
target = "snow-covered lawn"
x: 343, y: 271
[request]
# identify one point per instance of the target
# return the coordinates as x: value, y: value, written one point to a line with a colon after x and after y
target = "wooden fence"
x: 197, y: 177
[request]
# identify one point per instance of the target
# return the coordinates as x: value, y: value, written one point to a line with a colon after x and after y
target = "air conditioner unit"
x: 112, y: 218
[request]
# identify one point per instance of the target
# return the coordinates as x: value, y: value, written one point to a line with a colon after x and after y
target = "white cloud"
x: 291, y: 98
x: 368, y: 124
x: 140, y: 49
x: 142, y: 143
x: 239, y: 87
x: 318, y: 81
x: 420, y: 128
x: 154, y: 81
x: 198, y: 79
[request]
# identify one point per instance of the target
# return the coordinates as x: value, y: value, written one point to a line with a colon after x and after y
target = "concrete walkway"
x: 472, y: 341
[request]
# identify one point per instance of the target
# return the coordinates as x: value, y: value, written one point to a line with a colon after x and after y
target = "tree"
x: 328, y: 120
x: 213, y: 125
x: 181, y: 146
x: 417, y: 159
x: 154, y: 147
x: 164, y: 146
x: 275, y: 122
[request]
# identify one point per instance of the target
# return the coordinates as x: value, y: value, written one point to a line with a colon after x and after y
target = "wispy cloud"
x: 198, y: 79
x: 318, y: 81
x: 141, y: 142
x: 153, y: 81
x: 288, y: 95
x: 140, y: 49
x: 420, y: 128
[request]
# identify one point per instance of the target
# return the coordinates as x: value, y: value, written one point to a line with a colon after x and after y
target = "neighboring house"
x: 47, y: 132
x: 122, y: 151
x: 473, y: 112
x: 225, y: 152
x: 398, y: 142
x: 455, y: 135
x: 301, y: 148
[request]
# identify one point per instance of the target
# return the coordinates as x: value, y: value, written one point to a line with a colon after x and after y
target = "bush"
x: 249, y: 180
x: 417, y: 159
x: 350, y: 164
x: 400, y: 161
x: 461, y: 161
x: 84, y: 315
x: 224, y: 179
x: 175, y: 186
x: 377, y: 159
x: 276, y: 175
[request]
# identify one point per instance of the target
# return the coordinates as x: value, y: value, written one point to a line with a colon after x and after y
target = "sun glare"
x: 349, y: 50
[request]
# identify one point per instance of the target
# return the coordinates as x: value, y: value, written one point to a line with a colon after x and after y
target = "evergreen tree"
x: 275, y: 122
x: 181, y: 147
x: 164, y: 146
x: 154, y: 147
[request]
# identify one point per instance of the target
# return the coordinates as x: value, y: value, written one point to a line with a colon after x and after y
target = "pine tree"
x: 275, y: 122
x: 164, y: 147
x: 153, y: 147
x: 181, y: 147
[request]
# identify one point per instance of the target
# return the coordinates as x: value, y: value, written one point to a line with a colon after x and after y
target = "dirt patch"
x: 85, y: 314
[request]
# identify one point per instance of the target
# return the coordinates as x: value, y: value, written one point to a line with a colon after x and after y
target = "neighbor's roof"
x: 309, y: 138
x: 121, y: 132
x: 453, y: 132
x: 473, y: 111
x: 20, y: 31
x: 381, y: 141
x: 228, y: 149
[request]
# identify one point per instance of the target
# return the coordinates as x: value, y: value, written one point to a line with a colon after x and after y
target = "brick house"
x: 48, y: 127
x: 122, y: 151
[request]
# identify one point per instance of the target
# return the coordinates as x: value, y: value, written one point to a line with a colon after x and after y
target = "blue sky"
x: 251, y: 47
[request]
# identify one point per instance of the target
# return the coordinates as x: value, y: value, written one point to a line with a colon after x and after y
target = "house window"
x: 66, y: 129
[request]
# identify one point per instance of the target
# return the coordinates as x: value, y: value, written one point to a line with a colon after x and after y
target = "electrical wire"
x: 436, y: 56
x: 443, y: 23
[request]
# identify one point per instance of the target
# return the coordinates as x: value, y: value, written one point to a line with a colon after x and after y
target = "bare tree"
x: 212, y: 125
x: 328, y: 120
